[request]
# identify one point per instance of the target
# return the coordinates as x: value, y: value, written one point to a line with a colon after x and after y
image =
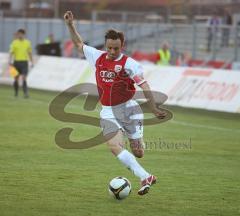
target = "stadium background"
x: 195, y: 155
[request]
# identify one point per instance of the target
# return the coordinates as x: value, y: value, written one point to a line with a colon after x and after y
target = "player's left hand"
x: 161, y: 114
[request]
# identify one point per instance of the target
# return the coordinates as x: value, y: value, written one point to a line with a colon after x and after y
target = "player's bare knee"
x: 139, y: 153
x: 137, y: 147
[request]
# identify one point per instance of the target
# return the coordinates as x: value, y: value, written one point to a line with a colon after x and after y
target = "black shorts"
x: 21, y: 66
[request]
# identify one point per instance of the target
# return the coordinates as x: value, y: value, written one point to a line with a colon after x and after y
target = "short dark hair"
x: 21, y: 31
x: 114, y: 35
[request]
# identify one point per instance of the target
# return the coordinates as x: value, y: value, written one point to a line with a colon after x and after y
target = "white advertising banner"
x: 4, y: 72
x: 197, y: 88
x: 188, y: 87
x: 58, y: 74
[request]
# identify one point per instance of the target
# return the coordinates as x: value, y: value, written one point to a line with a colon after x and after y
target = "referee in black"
x: 20, y: 54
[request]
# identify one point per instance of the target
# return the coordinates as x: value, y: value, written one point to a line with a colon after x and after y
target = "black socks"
x: 25, y: 89
x: 15, y: 86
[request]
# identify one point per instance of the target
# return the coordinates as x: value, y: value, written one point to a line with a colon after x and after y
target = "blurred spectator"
x: 164, y: 54
x: 20, y: 54
x: 68, y: 48
x: 183, y: 59
x: 227, y: 22
x: 213, y: 28
x: 49, y: 39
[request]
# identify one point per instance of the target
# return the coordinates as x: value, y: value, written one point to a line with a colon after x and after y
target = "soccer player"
x: 116, y: 75
x: 20, y: 54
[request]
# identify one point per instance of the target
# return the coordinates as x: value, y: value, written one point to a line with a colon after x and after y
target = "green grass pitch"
x: 39, y: 178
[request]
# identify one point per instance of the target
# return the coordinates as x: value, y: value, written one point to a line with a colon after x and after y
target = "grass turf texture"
x: 39, y: 178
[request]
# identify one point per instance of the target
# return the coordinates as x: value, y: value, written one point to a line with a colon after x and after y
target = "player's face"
x: 114, y: 48
x: 20, y: 36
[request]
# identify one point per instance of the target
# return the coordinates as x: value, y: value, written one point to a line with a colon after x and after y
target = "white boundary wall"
x: 187, y: 87
x: 197, y: 88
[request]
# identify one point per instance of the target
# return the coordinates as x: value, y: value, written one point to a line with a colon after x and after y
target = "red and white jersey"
x: 115, y: 78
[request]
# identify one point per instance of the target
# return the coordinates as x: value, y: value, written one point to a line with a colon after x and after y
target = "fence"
x: 144, y: 32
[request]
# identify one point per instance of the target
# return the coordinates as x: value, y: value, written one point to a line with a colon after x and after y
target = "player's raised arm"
x: 76, y: 38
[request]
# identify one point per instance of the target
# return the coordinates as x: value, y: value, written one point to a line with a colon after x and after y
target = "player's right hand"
x: 68, y: 17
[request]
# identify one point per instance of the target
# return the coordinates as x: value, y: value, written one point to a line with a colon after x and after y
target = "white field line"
x: 187, y: 124
x: 183, y: 123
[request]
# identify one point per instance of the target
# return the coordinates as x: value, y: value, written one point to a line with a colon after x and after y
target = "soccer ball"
x: 119, y: 188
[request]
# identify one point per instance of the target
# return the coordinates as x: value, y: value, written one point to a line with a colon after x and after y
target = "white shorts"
x: 127, y: 116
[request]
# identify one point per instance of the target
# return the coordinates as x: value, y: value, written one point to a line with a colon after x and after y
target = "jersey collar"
x: 117, y: 59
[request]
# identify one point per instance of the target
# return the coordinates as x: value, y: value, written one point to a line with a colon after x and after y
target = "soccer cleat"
x: 146, y: 184
x: 143, y: 190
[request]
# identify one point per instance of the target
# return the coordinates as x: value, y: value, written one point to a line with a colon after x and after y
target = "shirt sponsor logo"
x: 107, y: 76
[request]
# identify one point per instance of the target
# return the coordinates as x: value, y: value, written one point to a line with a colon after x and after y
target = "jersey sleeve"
x: 91, y: 54
x: 135, y: 71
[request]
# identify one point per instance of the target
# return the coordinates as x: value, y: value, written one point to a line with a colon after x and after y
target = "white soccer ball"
x: 119, y: 188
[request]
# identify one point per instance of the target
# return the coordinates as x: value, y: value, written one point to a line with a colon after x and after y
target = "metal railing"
x: 197, y: 38
x: 141, y: 32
